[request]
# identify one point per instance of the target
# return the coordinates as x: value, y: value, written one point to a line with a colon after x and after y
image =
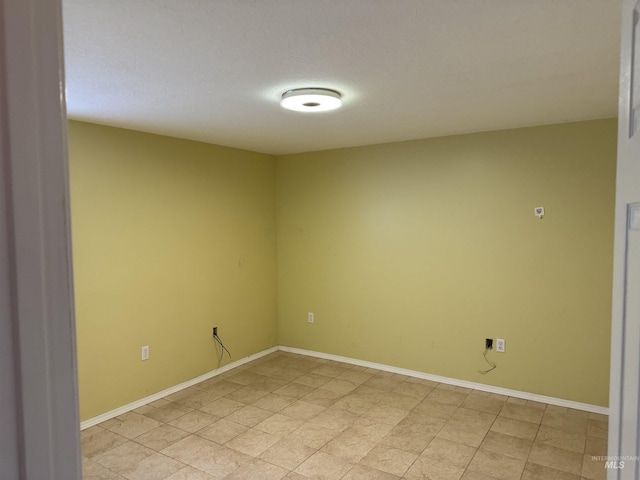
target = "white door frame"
x: 624, y: 381
x: 39, y: 425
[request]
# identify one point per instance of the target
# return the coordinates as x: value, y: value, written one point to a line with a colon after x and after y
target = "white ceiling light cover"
x: 311, y: 100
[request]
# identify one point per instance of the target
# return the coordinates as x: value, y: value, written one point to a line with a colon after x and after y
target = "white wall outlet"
x: 500, y: 345
x: 310, y: 318
x: 145, y: 352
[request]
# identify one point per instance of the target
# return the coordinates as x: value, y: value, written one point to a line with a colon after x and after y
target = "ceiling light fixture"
x: 311, y: 99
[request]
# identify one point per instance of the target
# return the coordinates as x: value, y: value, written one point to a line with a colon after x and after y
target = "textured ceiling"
x: 214, y: 70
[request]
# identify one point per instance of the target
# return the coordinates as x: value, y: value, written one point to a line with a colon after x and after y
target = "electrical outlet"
x: 310, y: 318
x: 145, y: 352
x: 488, y: 343
x: 215, y: 331
x: 500, y: 345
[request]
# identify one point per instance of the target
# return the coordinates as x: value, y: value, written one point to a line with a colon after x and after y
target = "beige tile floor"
x: 296, y: 417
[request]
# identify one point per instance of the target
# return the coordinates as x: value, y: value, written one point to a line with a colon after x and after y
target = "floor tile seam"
x: 416, y: 459
x: 480, y: 448
x: 127, y: 439
x: 545, y: 466
x: 289, y: 470
x: 154, y: 452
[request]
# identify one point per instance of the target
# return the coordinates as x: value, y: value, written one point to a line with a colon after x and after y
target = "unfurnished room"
x: 348, y: 239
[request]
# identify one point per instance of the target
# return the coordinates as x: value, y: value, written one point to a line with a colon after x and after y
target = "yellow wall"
x: 170, y: 238
x: 411, y: 253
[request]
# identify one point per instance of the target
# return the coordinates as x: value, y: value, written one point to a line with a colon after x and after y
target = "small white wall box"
x: 634, y: 216
x: 539, y: 211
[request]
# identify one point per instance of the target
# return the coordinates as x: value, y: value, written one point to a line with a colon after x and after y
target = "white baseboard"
x: 176, y: 388
x: 353, y: 361
x: 452, y: 381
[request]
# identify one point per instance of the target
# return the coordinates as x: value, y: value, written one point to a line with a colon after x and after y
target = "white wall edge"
x: 452, y: 381
x: 176, y: 388
x: 39, y: 435
x: 352, y: 361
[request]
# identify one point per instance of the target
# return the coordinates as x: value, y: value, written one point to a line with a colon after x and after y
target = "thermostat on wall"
x: 539, y: 211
